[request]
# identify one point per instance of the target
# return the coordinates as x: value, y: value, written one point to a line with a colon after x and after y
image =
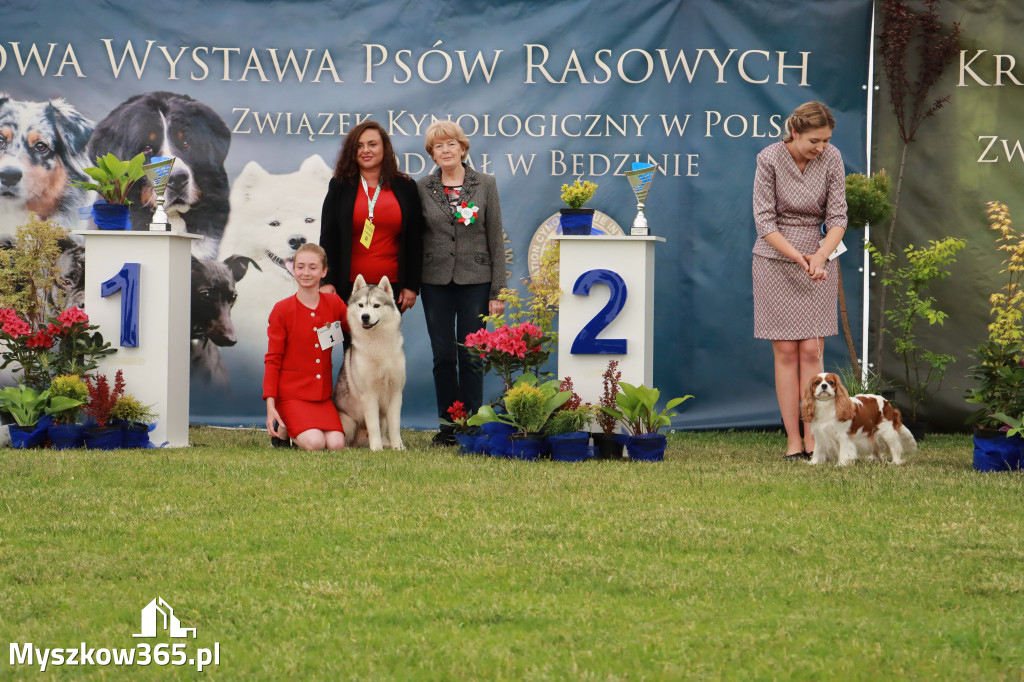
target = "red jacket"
x: 295, y: 366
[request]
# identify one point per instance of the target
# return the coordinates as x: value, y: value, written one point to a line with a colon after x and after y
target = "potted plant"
x: 858, y: 382
x: 575, y: 219
x: 67, y: 345
x: 102, y: 398
x: 608, y: 442
x: 912, y: 307
x: 29, y: 276
x: 467, y: 440
x: 32, y: 412
x: 565, y: 429
x: 135, y: 420
x: 509, y: 349
x: 529, y: 404
x: 636, y: 411
x: 999, y: 372
x: 867, y: 203
x: 65, y: 431
x: 114, y: 179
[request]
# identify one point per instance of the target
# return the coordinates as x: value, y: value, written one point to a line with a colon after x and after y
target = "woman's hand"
x: 328, y: 289
x: 816, y: 267
x: 406, y: 299
x: 273, y: 416
x: 495, y: 307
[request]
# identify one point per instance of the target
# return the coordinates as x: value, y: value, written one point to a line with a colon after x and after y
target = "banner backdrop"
x: 546, y: 91
x: 969, y: 153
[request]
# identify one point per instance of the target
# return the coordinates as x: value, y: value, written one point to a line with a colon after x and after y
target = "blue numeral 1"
x: 586, y: 342
x: 127, y: 282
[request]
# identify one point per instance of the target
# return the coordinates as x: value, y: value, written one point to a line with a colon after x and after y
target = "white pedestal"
x: 156, y: 371
x: 632, y: 260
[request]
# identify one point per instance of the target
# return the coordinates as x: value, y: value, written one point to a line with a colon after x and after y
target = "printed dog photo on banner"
x: 272, y: 216
x: 42, y: 149
x: 213, y: 297
x: 169, y: 124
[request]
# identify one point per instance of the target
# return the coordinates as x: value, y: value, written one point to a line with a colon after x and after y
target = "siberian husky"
x: 368, y: 393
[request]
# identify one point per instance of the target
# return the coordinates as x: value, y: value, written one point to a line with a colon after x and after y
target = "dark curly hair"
x: 347, y: 167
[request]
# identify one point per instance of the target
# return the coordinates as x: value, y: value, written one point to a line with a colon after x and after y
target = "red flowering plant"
x: 68, y: 344
x: 509, y: 350
x: 101, y: 398
x: 523, y: 337
x: 610, y: 385
x: 459, y: 418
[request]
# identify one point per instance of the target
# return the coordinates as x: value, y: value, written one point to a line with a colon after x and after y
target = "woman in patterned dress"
x: 800, y: 184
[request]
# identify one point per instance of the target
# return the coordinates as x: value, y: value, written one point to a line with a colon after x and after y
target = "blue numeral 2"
x: 586, y: 342
x: 127, y: 282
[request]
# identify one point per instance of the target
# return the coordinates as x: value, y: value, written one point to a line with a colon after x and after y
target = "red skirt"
x: 303, y: 415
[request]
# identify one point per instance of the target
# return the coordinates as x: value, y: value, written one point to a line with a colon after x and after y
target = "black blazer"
x: 336, y: 234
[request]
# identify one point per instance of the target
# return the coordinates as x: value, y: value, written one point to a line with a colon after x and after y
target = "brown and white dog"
x: 42, y: 149
x: 846, y: 427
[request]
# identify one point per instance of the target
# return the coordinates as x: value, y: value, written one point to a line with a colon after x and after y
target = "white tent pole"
x: 866, y: 267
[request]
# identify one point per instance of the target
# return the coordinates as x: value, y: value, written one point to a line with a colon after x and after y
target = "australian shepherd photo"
x: 42, y: 150
x: 845, y: 428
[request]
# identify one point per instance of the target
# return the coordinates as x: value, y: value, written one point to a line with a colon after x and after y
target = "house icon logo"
x: 170, y: 621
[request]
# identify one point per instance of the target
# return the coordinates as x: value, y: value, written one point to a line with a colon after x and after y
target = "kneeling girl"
x: 297, y: 367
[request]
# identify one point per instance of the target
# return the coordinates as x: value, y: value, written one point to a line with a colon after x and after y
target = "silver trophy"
x: 640, y: 179
x: 159, y: 171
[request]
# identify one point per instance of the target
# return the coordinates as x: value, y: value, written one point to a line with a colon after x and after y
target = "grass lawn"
x: 723, y: 562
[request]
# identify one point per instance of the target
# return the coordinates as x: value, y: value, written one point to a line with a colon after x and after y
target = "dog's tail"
x: 907, y: 440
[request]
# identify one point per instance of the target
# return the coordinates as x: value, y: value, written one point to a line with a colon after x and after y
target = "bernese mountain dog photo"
x: 167, y: 124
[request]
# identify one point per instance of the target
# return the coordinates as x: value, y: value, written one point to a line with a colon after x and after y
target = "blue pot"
x: 28, y: 436
x: 67, y: 436
x: 467, y: 442
x: 106, y: 438
x: 576, y: 221
x: 647, y: 447
x: 994, y: 451
x: 528, y: 446
x: 111, y: 216
x: 497, y: 438
x: 570, y: 447
x: 608, y: 446
x: 136, y: 435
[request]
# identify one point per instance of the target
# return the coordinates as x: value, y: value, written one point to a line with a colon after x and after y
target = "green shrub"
x: 69, y: 386
x: 129, y: 409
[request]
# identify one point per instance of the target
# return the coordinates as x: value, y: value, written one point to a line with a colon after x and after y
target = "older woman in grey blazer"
x: 463, y: 266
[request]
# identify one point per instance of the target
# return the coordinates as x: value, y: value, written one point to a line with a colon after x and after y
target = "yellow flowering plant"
x: 1000, y: 369
x: 577, y: 194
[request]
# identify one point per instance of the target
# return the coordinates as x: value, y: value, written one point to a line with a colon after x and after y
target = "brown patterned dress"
x: 789, y: 305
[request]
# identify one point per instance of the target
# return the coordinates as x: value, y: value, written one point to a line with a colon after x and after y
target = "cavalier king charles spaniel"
x: 846, y: 427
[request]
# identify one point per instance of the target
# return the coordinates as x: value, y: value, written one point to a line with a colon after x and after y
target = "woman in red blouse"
x: 297, y: 367
x: 372, y: 222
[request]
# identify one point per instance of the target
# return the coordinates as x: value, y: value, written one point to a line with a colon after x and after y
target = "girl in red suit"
x: 297, y: 367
